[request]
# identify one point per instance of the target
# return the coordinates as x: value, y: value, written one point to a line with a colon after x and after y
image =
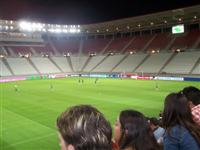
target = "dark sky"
x: 84, y: 12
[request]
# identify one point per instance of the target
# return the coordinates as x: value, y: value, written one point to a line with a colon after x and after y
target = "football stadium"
x: 129, y: 63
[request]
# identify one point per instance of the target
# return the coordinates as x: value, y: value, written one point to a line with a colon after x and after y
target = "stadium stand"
x: 44, y: 49
x: 78, y: 62
x: 182, y: 63
x: 108, y: 64
x: 69, y: 45
x: 159, y: 42
x: 44, y: 65
x: 62, y: 63
x: 117, y: 45
x: 20, y: 50
x: 186, y: 40
x: 130, y: 63
x: 154, y: 63
x: 93, y: 62
x: 4, y: 71
x: 196, y: 69
x: 20, y: 66
x: 94, y: 45
x: 139, y: 43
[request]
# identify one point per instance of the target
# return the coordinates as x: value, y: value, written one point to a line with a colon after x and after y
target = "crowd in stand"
x: 83, y: 127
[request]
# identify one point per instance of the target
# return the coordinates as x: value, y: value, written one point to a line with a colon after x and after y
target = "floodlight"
x: 6, y: 27
x: 25, y: 26
x: 72, y: 30
x: 65, y: 31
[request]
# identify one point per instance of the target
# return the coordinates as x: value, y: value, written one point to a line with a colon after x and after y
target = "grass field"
x: 28, y: 116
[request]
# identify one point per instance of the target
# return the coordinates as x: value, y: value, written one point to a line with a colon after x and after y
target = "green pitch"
x: 28, y: 115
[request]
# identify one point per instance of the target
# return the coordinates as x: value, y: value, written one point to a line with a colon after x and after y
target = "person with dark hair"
x: 193, y: 96
x: 83, y: 127
x: 182, y: 133
x: 132, y: 132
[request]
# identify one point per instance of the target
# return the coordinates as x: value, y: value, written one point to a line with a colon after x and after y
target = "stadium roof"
x: 155, y: 20
x: 188, y: 15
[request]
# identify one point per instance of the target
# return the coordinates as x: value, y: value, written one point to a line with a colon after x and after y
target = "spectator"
x: 193, y: 97
x: 84, y: 128
x: 182, y: 133
x: 132, y: 132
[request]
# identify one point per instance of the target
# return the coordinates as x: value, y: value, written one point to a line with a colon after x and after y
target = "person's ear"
x: 70, y: 147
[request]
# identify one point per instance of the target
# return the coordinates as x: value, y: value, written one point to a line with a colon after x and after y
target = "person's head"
x: 133, y: 131
x: 83, y: 127
x: 193, y: 95
x: 177, y: 112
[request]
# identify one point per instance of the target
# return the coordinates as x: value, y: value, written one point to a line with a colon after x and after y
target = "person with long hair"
x: 182, y: 133
x: 132, y: 132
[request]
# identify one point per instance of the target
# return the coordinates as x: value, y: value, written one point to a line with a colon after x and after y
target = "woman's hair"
x: 177, y: 112
x: 85, y: 128
x: 136, y: 132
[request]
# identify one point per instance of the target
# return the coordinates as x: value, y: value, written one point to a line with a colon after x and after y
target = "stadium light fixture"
x: 180, y: 19
x: 2, y: 56
x: 151, y: 23
x: 65, y: 31
x: 98, y: 31
x: 153, y: 51
x: 131, y: 52
x: 25, y: 26
x: 195, y: 17
x: 68, y: 54
x: 128, y: 27
x: 165, y: 21
x: 6, y: 27
x: 72, y: 30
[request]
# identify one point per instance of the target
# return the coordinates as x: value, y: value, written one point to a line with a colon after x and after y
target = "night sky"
x: 84, y: 12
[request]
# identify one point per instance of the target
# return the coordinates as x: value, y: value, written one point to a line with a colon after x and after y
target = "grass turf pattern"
x: 28, y: 116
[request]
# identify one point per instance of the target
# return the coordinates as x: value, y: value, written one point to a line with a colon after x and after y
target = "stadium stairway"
x: 33, y: 65
x: 56, y: 52
x: 99, y: 63
x: 105, y: 48
x: 10, y: 51
x: 143, y: 60
x: 80, y: 48
x: 86, y: 63
x: 8, y: 66
x: 125, y: 56
x: 167, y: 62
x: 196, y: 44
x: 195, y: 65
x: 170, y: 43
x: 56, y: 64
x: 127, y: 45
x: 144, y: 49
x: 33, y: 51
x: 70, y: 63
x: 3, y: 50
